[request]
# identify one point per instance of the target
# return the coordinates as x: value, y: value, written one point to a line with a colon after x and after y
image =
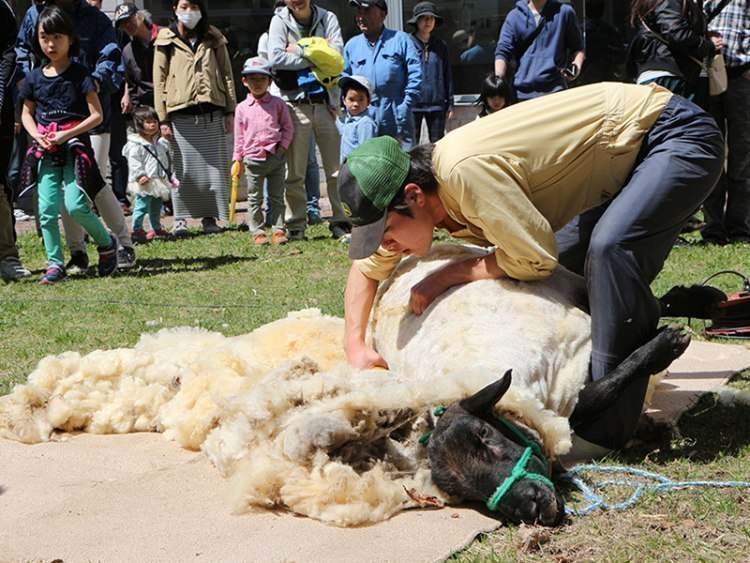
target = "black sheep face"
x: 470, y: 457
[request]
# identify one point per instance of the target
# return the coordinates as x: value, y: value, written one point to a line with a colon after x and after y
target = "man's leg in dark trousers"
x: 679, y: 163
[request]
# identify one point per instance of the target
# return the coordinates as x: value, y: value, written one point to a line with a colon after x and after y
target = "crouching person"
x: 639, y: 160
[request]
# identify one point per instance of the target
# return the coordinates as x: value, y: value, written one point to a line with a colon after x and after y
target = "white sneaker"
x: 20, y: 215
x: 12, y: 269
x: 180, y: 228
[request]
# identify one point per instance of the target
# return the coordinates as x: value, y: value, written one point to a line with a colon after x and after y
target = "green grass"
x: 223, y: 283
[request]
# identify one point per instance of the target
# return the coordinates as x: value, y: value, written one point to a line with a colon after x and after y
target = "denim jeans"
x: 312, y: 178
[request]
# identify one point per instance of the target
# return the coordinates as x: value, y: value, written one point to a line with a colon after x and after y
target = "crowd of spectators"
x: 393, y: 83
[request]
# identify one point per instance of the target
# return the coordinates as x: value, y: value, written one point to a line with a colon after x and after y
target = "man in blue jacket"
x: 102, y: 56
x: 389, y: 60
x: 539, y: 34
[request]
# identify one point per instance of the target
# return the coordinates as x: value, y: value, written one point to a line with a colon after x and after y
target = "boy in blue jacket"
x: 539, y: 34
x: 435, y: 104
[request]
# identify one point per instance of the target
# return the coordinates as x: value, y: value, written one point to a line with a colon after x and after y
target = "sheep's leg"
x: 696, y: 301
x: 653, y: 357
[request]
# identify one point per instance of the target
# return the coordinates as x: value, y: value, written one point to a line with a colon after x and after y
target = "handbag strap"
x: 167, y: 170
x: 660, y: 38
x: 715, y: 12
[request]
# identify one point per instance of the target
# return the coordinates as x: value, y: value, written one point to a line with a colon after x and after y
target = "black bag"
x: 286, y: 79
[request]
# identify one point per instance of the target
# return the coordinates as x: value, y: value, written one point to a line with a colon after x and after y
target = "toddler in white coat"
x: 150, y: 176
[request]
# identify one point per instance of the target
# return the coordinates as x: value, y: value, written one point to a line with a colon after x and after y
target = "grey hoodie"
x: 284, y: 30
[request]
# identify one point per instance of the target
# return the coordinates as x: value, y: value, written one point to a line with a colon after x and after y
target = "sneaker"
x: 126, y: 258
x: 209, y: 226
x: 339, y: 230
x: 279, y: 237
x: 139, y: 236
x: 12, y: 269
x: 160, y: 234
x: 21, y: 215
x: 108, y: 258
x: 297, y: 235
x: 78, y: 263
x: 55, y: 273
x: 260, y: 239
x: 180, y: 228
x: 313, y: 217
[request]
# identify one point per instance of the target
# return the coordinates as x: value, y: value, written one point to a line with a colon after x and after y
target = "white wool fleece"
x: 290, y: 424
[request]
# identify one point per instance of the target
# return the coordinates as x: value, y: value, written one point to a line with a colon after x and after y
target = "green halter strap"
x: 520, y: 470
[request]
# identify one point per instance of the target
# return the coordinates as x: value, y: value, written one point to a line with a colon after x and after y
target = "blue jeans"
x: 622, y: 245
x: 312, y: 178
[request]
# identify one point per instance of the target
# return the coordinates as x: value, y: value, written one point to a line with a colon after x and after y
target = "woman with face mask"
x: 195, y: 100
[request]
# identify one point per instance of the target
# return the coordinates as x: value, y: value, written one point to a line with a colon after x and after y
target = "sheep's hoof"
x: 669, y: 344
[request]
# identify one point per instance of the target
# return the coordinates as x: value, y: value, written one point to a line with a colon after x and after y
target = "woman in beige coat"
x: 195, y: 100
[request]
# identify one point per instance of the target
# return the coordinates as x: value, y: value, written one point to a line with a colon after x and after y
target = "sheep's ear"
x: 484, y: 400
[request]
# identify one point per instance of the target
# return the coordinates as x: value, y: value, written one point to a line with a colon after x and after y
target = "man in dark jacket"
x: 138, y: 55
x: 539, y: 35
x: 10, y: 265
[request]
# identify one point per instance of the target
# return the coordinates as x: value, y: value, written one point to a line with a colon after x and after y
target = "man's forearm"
x: 473, y: 269
x: 358, y: 299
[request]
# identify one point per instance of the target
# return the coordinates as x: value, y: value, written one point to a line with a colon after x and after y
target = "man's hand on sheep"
x: 364, y: 357
x: 457, y: 273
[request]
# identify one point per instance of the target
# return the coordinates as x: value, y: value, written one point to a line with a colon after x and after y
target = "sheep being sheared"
x: 281, y: 414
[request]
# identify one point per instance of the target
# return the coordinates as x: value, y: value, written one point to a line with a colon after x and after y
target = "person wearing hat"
x: 355, y: 126
x: 540, y: 35
x: 137, y: 55
x: 637, y: 160
x: 389, y: 60
x: 435, y: 103
x: 263, y: 131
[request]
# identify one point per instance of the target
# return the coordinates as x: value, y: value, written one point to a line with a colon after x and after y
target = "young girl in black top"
x: 59, y: 106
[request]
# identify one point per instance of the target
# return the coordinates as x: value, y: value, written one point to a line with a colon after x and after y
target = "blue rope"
x: 662, y: 485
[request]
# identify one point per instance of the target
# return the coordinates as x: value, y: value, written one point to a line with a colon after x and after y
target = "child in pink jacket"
x: 263, y: 131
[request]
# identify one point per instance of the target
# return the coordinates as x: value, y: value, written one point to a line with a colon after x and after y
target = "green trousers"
x: 55, y: 185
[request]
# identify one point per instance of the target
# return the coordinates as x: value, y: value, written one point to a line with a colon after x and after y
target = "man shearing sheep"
x: 600, y: 179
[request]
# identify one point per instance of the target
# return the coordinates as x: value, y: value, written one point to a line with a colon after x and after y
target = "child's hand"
x: 236, y: 169
x: 42, y: 141
x: 57, y: 137
x: 143, y: 180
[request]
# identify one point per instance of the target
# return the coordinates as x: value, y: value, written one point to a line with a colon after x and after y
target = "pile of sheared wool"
x: 281, y: 414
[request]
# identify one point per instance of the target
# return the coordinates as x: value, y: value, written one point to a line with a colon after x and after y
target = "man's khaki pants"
x: 105, y: 201
x: 309, y: 117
